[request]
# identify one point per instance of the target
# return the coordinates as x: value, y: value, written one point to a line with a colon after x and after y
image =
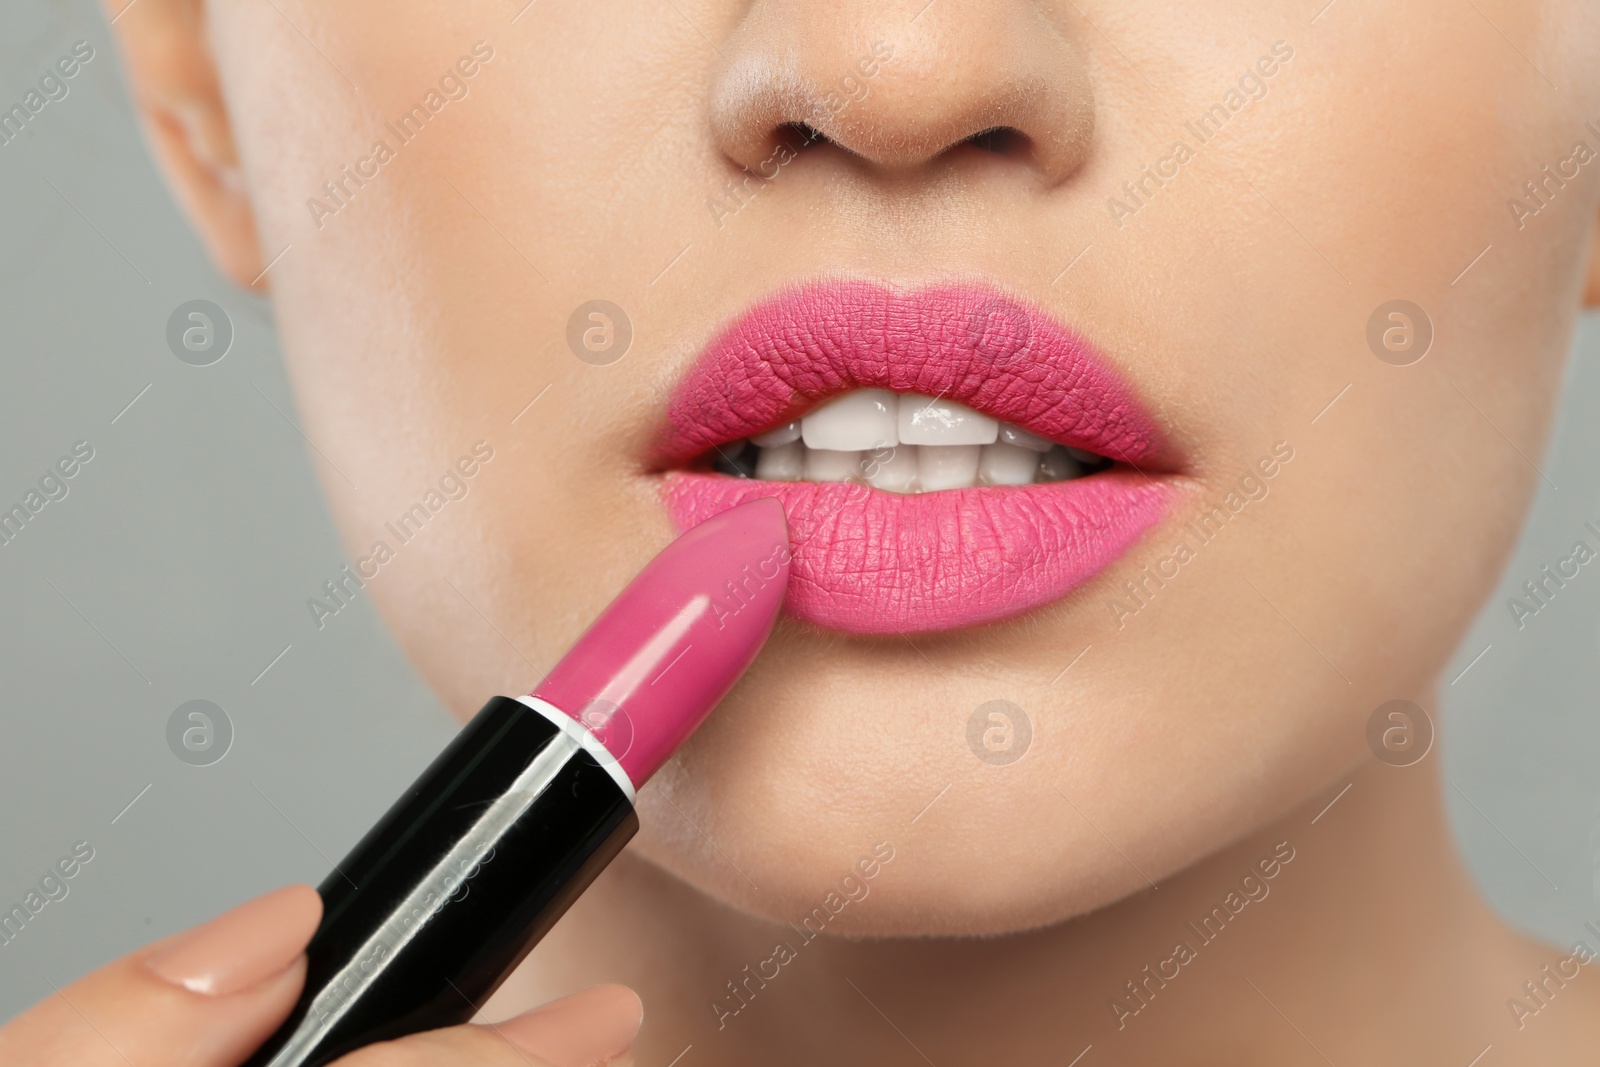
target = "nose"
x: 903, y: 89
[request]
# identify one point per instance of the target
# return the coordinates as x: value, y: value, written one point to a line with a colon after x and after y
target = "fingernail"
x: 586, y: 1028
x: 242, y: 947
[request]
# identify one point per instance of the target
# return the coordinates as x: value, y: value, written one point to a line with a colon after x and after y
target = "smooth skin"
x: 598, y: 153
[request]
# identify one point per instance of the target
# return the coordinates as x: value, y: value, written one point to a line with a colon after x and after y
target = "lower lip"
x: 871, y: 562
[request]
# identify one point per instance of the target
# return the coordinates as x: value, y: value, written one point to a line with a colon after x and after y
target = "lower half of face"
x: 1135, y: 453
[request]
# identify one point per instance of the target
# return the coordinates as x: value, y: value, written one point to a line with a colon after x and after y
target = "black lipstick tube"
x: 443, y: 898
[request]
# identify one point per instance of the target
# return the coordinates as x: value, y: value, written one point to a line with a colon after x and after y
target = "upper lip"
x: 972, y: 344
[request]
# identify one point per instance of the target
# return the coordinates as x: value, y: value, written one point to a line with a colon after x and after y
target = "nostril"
x: 1001, y: 140
x: 801, y: 134
x: 1002, y: 81
x: 998, y: 140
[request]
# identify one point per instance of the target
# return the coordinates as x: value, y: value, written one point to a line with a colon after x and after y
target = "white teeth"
x: 947, y: 467
x: 1015, y: 435
x: 903, y: 443
x: 859, y: 420
x: 789, y: 431
x: 830, y: 465
x: 892, y: 469
x: 1003, y: 464
x: 785, y: 462
x: 924, y: 420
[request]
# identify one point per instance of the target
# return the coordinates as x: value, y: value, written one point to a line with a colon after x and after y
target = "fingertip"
x: 243, y: 946
x: 301, y: 909
x: 586, y: 1028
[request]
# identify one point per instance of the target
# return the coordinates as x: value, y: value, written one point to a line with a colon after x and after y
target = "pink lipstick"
x: 663, y: 653
x: 875, y: 562
x: 464, y: 874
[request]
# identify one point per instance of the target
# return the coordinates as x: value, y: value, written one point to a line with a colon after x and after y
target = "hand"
x: 209, y: 996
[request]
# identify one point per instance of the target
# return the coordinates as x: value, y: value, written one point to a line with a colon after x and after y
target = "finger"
x: 596, y: 1026
x: 204, y: 998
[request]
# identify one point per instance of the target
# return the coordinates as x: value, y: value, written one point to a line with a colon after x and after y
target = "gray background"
x: 178, y: 566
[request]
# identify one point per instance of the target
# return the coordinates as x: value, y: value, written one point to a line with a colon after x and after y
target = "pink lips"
x: 866, y: 561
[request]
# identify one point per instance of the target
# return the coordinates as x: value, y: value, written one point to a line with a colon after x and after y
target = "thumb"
x: 204, y: 998
x: 597, y: 1025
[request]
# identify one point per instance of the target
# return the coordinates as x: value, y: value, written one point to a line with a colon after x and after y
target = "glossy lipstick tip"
x: 663, y: 653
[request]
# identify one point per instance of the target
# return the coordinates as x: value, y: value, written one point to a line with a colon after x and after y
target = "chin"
x: 911, y: 842
x: 918, y: 886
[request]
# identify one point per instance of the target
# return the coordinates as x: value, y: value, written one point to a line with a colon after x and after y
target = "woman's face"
x: 1307, y: 526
